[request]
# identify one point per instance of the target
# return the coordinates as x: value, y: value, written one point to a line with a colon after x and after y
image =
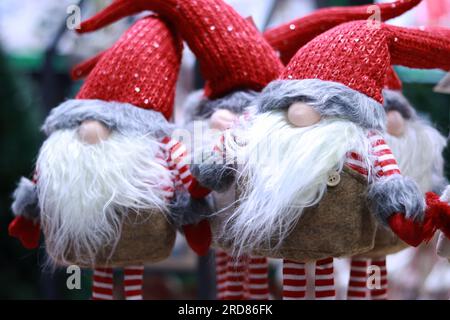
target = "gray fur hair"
x: 396, y: 101
x: 199, y: 107
x: 123, y: 117
x: 330, y: 99
x: 216, y: 176
x: 26, y: 200
x: 396, y: 194
x: 186, y: 210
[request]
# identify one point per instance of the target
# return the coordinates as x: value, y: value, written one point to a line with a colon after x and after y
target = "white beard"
x: 419, y: 154
x: 286, y: 170
x: 85, y: 191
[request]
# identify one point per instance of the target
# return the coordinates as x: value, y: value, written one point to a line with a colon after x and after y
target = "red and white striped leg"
x: 133, y: 281
x: 382, y: 293
x: 357, y: 285
x: 294, y: 280
x: 258, y: 278
x: 236, y: 276
x: 324, y: 282
x: 102, y: 285
x: 221, y: 274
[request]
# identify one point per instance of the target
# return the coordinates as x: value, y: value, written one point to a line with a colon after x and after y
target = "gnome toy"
x: 236, y: 62
x: 286, y: 38
x: 418, y: 148
x: 109, y: 177
x: 314, y: 153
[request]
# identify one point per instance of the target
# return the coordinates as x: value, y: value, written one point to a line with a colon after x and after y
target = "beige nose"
x: 395, y: 123
x: 302, y: 115
x: 93, y: 131
x: 222, y: 119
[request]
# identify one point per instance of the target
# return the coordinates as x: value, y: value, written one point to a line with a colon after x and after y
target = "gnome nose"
x: 93, y: 132
x: 302, y: 115
x: 395, y: 123
x: 222, y: 119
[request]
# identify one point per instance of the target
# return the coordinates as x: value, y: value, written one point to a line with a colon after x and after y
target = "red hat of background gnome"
x: 291, y: 36
x: 232, y: 53
x: 393, y: 81
x: 359, y: 54
x: 141, y: 68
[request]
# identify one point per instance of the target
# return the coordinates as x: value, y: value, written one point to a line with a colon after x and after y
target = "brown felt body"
x: 145, y: 238
x: 339, y: 226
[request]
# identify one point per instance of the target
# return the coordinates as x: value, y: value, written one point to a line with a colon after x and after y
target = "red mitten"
x: 406, y: 229
x: 197, y: 191
x: 26, y: 230
x: 198, y: 236
x: 439, y: 212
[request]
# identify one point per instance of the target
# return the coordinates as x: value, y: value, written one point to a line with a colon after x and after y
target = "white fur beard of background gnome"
x: 325, y: 112
x: 418, y: 148
x: 108, y: 173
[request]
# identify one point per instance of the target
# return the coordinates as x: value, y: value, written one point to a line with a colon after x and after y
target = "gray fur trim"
x: 123, y: 117
x: 217, y: 177
x: 330, y: 99
x: 198, y: 107
x: 185, y: 210
x: 396, y: 194
x: 26, y: 200
x: 395, y: 100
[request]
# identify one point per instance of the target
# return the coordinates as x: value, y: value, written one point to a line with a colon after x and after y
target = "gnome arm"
x: 189, y: 209
x: 26, y: 202
x: 395, y: 200
x: 178, y: 160
x: 186, y: 210
x: 215, y: 172
x: 26, y: 226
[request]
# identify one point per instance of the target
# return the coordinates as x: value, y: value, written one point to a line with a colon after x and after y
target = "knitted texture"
x: 358, y: 54
x: 289, y: 37
x: 140, y: 69
x: 85, y: 67
x: 232, y: 53
x: 393, y: 81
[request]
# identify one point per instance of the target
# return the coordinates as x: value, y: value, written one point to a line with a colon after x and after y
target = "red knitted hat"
x: 393, y: 81
x: 140, y: 69
x: 291, y: 36
x: 232, y: 53
x: 358, y: 54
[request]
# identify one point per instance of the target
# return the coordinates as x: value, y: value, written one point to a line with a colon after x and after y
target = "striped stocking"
x: 133, y: 282
x: 221, y: 273
x: 294, y: 280
x: 324, y: 282
x: 102, y: 286
x: 257, y: 278
x: 357, y: 285
x: 236, y: 276
x: 380, y: 294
